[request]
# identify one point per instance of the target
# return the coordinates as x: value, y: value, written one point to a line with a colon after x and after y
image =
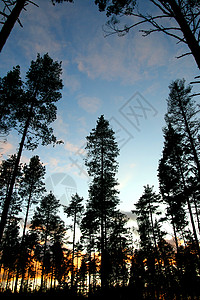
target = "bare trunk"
x: 12, y: 182
x: 10, y: 22
x: 73, y: 251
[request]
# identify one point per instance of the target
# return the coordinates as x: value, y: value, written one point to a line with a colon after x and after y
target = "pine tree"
x: 6, y: 172
x: 32, y: 185
x: 35, y: 111
x: 43, y: 223
x: 119, y: 249
x: 102, y: 151
x: 170, y: 178
x: 182, y: 115
x: 89, y: 240
x: 74, y: 210
x: 146, y: 210
x: 31, y: 190
x: 10, y: 247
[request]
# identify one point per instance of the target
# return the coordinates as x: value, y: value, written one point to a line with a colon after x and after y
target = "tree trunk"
x: 73, y: 251
x: 185, y: 28
x: 44, y: 256
x: 103, y: 217
x: 9, y: 195
x: 23, y: 236
x: 10, y: 22
x: 26, y: 218
x: 196, y: 211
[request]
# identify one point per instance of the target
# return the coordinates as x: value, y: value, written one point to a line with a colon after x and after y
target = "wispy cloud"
x: 89, y: 104
x: 60, y: 127
x: 71, y: 147
x: 53, y: 162
x: 6, y: 148
x: 127, y: 58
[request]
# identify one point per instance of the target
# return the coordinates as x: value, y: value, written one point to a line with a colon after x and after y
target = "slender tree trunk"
x: 27, y: 212
x: 193, y: 225
x: 173, y: 225
x: 12, y: 182
x: 89, y: 271
x: 155, y: 246
x: 73, y: 251
x: 44, y: 253
x: 103, y: 217
x: 196, y: 211
x: 51, y: 284
x: 175, y: 235
x: 178, y: 260
x: 152, y: 226
x: 185, y: 28
x: 10, y: 22
x: 22, y: 247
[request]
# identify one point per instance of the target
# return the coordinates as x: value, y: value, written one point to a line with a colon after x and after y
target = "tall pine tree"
x: 34, y: 111
x: 101, y: 161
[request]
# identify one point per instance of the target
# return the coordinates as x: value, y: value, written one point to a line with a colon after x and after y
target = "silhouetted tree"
x: 102, y: 151
x: 6, y: 172
x: 37, y: 112
x: 119, y: 249
x: 58, y: 264
x: 74, y: 210
x: 89, y: 240
x: 82, y: 276
x: 10, y: 248
x: 32, y: 185
x: 182, y: 114
x: 138, y: 274
x: 31, y: 189
x: 170, y: 179
x: 44, y: 222
x: 146, y: 210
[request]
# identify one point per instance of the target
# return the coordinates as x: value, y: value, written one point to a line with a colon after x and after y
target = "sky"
x: 124, y: 78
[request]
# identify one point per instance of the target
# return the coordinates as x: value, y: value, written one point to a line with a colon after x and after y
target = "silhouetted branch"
x: 185, y: 54
x: 112, y: 24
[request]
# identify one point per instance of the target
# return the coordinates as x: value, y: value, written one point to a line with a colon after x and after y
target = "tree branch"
x: 185, y: 54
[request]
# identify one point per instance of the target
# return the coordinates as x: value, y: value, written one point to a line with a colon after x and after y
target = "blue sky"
x: 124, y: 78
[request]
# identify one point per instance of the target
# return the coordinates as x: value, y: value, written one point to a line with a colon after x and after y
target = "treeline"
x: 105, y: 259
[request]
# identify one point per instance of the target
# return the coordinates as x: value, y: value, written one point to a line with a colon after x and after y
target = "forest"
x: 39, y: 258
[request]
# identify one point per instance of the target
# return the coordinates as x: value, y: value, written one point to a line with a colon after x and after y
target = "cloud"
x: 25, y: 160
x: 124, y: 182
x: 53, y: 162
x: 130, y: 58
x: 89, y: 104
x: 71, y: 82
x: 41, y: 32
x: 6, y: 147
x: 71, y: 147
x: 60, y: 127
x: 132, y: 165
